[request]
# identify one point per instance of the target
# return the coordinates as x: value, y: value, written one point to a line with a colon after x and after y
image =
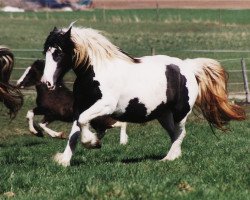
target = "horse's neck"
x: 81, y: 72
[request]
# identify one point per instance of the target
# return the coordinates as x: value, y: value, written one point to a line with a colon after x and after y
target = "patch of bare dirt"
x: 137, y: 4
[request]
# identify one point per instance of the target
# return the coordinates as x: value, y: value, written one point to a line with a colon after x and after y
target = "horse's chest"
x: 86, y: 91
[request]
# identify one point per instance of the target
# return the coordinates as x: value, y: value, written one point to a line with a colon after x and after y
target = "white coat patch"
x: 24, y: 75
x: 50, y: 67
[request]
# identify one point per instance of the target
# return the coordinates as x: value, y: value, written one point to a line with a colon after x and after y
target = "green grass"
x: 210, y: 167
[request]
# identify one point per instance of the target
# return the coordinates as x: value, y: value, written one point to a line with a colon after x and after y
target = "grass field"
x: 210, y: 167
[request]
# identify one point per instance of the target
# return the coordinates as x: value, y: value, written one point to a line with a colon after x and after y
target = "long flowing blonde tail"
x: 213, y: 96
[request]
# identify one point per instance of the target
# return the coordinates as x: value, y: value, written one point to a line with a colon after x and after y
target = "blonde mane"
x: 93, y: 48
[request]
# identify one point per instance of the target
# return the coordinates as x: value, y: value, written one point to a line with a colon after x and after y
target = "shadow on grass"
x: 77, y: 162
x: 137, y: 160
x: 23, y: 141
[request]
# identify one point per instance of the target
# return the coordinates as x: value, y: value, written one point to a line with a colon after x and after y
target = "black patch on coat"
x: 86, y: 90
x: 177, y: 92
x: 135, y: 112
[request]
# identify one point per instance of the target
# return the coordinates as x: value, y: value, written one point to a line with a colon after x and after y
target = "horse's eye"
x: 57, y: 54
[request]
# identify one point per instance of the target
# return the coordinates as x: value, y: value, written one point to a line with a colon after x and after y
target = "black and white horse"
x: 11, y: 97
x: 58, y: 105
x: 110, y: 82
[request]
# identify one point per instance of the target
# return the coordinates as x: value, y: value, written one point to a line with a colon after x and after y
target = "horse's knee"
x: 89, y: 139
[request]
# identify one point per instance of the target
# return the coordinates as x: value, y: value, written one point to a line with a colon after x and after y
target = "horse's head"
x: 32, y: 75
x: 58, y: 50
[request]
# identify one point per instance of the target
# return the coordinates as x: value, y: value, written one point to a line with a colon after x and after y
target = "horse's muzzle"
x: 50, y: 86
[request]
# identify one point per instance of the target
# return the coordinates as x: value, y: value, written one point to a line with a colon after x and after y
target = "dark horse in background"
x: 11, y: 97
x: 110, y: 82
x: 58, y: 105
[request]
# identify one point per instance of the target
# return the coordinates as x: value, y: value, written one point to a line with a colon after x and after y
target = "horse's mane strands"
x: 91, y: 46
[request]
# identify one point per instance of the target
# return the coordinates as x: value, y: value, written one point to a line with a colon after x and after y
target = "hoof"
x: 124, y: 141
x: 171, y: 157
x: 61, y: 135
x: 58, y: 158
x: 38, y: 133
x: 95, y: 145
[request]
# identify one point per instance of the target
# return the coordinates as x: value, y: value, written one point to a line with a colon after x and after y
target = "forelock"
x: 55, y: 39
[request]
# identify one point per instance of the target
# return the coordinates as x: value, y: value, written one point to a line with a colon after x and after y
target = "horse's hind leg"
x: 52, y: 133
x: 176, y: 132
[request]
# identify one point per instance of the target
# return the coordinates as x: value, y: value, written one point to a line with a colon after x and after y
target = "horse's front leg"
x: 100, y: 108
x: 65, y: 157
x: 89, y: 139
x: 123, y: 134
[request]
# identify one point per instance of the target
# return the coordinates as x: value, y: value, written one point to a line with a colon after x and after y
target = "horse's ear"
x: 68, y: 33
x: 55, y: 29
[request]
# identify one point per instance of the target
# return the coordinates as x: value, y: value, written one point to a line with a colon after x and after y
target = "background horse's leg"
x: 176, y: 132
x: 89, y: 139
x: 50, y: 131
x: 33, y: 128
x: 123, y: 134
x: 65, y: 157
x: 30, y: 117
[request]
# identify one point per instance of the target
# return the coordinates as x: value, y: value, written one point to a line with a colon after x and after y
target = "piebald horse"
x: 111, y: 82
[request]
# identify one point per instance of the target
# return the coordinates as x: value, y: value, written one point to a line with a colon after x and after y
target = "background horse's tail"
x: 6, y: 64
x: 213, y: 96
x: 12, y: 98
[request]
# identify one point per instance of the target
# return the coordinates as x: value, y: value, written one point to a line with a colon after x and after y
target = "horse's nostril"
x: 48, y: 83
x: 50, y: 86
